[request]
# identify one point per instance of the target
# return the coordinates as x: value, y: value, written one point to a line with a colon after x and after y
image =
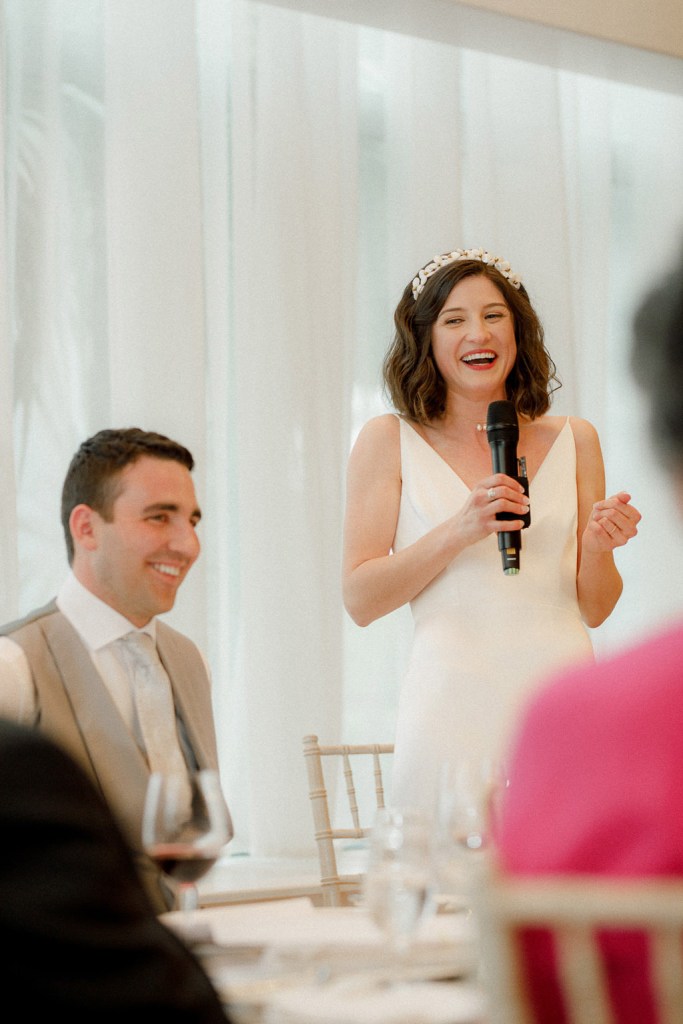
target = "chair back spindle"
x: 580, y: 913
x: 321, y: 760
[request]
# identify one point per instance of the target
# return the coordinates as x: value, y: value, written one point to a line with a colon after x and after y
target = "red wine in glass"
x: 179, y: 862
x: 185, y: 825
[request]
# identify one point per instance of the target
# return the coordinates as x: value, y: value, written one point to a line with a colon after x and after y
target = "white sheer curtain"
x: 212, y: 208
x: 294, y: 199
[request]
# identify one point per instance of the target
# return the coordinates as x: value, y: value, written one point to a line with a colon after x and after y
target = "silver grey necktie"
x: 154, y: 704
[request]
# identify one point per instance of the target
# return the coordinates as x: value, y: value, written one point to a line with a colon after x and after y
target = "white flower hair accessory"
x: 502, y: 266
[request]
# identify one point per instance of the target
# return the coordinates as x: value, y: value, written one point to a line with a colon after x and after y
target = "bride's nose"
x: 479, y: 329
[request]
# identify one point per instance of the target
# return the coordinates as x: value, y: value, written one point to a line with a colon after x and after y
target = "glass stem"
x: 188, y: 897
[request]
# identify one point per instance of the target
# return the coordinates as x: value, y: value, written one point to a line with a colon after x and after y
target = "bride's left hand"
x: 613, y: 522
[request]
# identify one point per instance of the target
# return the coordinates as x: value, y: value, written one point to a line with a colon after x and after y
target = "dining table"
x: 290, y: 961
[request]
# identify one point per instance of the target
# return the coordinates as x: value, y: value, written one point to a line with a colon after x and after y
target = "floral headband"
x: 502, y: 266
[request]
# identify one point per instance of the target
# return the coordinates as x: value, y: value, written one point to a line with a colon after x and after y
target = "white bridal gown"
x: 482, y: 640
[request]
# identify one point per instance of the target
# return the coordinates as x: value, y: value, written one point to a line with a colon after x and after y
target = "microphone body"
x: 502, y: 429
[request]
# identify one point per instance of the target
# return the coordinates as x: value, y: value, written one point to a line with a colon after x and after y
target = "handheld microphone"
x: 502, y: 429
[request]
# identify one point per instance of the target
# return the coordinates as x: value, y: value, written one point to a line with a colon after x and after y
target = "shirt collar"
x: 96, y: 622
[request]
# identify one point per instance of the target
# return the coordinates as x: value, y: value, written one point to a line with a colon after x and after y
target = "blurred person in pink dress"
x: 596, y: 767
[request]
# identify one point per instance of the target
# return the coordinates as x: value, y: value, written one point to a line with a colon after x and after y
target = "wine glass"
x: 469, y: 792
x: 396, y: 884
x: 184, y: 827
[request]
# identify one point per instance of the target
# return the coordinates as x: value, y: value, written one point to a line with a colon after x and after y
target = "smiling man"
x: 130, y: 515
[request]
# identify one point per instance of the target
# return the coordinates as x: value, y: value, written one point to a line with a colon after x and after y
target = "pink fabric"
x: 596, y: 786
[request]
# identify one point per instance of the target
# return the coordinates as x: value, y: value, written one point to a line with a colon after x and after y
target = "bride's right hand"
x: 496, y: 493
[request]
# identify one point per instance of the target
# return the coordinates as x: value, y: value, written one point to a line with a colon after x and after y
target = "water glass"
x: 398, y: 876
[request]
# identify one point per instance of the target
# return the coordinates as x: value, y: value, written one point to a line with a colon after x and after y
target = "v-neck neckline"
x: 455, y: 473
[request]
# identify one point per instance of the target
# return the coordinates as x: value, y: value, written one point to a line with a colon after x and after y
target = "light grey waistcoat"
x: 76, y: 709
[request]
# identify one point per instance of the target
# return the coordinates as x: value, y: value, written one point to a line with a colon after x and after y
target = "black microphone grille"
x: 501, y: 415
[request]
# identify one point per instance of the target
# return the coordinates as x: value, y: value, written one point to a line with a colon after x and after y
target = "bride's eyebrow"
x: 463, y: 309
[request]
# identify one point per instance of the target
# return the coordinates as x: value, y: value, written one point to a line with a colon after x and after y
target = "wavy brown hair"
x: 412, y: 380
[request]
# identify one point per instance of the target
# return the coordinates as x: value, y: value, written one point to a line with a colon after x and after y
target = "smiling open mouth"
x: 479, y: 358
x: 168, y: 570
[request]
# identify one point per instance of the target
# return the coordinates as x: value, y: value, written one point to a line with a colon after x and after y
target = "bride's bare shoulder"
x: 377, y: 448
x: 380, y: 430
x: 585, y: 435
x: 583, y: 429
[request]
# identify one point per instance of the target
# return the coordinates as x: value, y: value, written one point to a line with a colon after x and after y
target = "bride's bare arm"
x: 604, y: 524
x: 376, y: 581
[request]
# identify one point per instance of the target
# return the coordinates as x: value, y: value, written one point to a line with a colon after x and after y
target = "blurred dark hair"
x: 93, y: 474
x: 412, y: 380
x: 657, y: 364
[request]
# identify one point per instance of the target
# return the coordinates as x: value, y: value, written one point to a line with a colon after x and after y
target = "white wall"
x: 543, y: 33
x: 654, y: 26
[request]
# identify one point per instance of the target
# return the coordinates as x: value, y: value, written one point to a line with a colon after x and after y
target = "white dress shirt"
x: 98, y: 626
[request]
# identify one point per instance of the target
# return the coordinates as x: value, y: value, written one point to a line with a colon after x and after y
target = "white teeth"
x: 476, y: 357
x: 170, y: 570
